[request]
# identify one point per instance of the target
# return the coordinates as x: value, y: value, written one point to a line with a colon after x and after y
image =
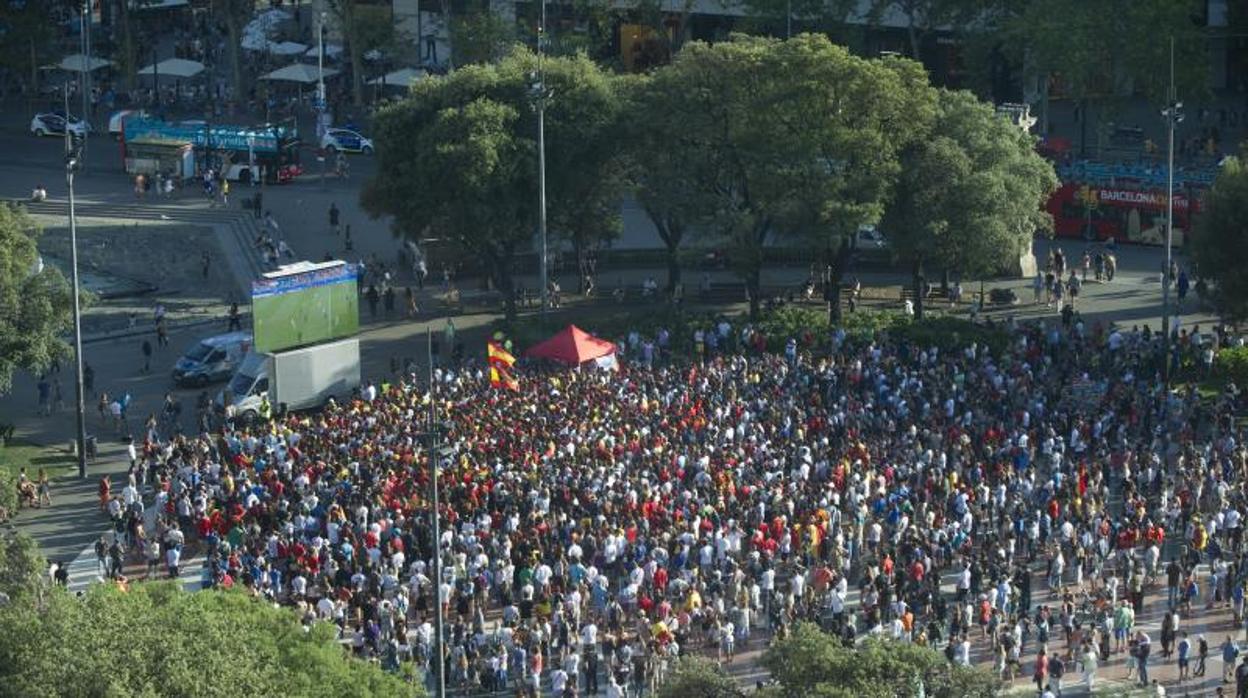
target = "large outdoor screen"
x: 304, y: 304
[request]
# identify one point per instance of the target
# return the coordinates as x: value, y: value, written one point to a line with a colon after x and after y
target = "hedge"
x: 8, y: 491
x: 1232, y: 364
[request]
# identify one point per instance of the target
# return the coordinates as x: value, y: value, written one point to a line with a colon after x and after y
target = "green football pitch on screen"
x: 306, y: 316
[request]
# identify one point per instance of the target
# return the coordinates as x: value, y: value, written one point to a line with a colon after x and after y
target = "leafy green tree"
x: 1221, y: 240
x: 1100, y: 51
x: 365, y: 27
x: 235, y: 14
x: 480, y: 36
x: 155, y: 639
x: 594, y: 32
x: 21, y: 569
x: 36, y: 309
x: 26, y: 36
x: 665, y: 179
x: 785, y: 138
x: 922, y: 16
x: 701, y: 677
x: 970, y: 194
x: 812, y: 664
x: 458, y: 157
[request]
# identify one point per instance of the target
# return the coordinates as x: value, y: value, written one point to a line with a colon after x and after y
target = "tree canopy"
x: 746, y: 144
x: 156, y: 640
x: 36, y: 309
x: 1220, y: 243
x: 458, y: 157
x: 812, y: 664
x: 1098, y: 49
x: 698, y: 676
x: 784, y: 138
x: 970, y: 194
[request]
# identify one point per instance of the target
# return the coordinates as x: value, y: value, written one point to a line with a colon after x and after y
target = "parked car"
x: 55, y: 123
x: 347, y: 141
x: 870, y: 238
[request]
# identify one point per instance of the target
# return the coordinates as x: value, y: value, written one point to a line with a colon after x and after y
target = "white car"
x: 55, y: 123
x: 346, y: 141
x: 870, y: 238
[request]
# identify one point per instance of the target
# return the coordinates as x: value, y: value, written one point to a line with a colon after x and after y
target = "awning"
x: 399, y: 78
x: 572, y: 346
x: 298, y: 72
x: 78, y: 63
x: 174, y: 67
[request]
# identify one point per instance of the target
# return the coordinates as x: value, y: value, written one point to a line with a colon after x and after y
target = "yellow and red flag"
x: 501, y: 361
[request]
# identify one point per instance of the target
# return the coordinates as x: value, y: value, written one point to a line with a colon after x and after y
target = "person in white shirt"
x: 964, y: 582
x: 558, y: 682
x: 614, y: 689
x: 572, y: 666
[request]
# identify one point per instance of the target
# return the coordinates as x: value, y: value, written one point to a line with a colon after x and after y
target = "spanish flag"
x: 501, y: 361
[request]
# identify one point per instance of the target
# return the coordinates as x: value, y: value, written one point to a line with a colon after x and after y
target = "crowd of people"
x: 596, y: 525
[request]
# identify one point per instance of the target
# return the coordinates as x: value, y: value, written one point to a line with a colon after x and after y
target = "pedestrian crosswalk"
x: 86, y: 568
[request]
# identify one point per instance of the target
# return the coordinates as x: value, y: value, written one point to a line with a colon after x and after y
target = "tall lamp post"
x: 1173, y: 116
x: 73, y: 154
x: 540, y: 96
x: 431, y: 435
x: 86, y: 73
x: 320, y: 91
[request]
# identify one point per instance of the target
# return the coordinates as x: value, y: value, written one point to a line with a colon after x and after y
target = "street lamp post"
x: 72, y: 156
x: 1173, y: 116
x: 439, y: 660
x: 320, y: 92
x: 86, y: 73
x: 540, y: 95
x: 541, y: 200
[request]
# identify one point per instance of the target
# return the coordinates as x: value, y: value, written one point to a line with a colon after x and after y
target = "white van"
x: 212, y: 359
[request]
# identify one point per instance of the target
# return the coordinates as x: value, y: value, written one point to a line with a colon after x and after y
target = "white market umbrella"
x: 331, y: 51
x: 78, y: 63
x: 254, y: 41
x: 299, y: 72
x: 287, y: 48
x: 174, y: 68
x: 257, y: 32
x: 399, y: 78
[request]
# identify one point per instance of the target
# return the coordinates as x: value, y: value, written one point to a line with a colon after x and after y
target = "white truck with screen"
x: 294, y: 380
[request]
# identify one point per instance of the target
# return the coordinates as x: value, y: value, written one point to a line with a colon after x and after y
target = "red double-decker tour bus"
x: 1125, y: 213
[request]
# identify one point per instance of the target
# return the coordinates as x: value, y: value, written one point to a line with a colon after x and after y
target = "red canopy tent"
x: 572, y: 346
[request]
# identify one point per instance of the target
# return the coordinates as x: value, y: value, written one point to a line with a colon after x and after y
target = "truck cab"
x: 247, y: 388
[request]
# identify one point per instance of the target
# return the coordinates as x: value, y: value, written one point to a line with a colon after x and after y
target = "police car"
x: 54, y: 123
x: 346, y: 141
